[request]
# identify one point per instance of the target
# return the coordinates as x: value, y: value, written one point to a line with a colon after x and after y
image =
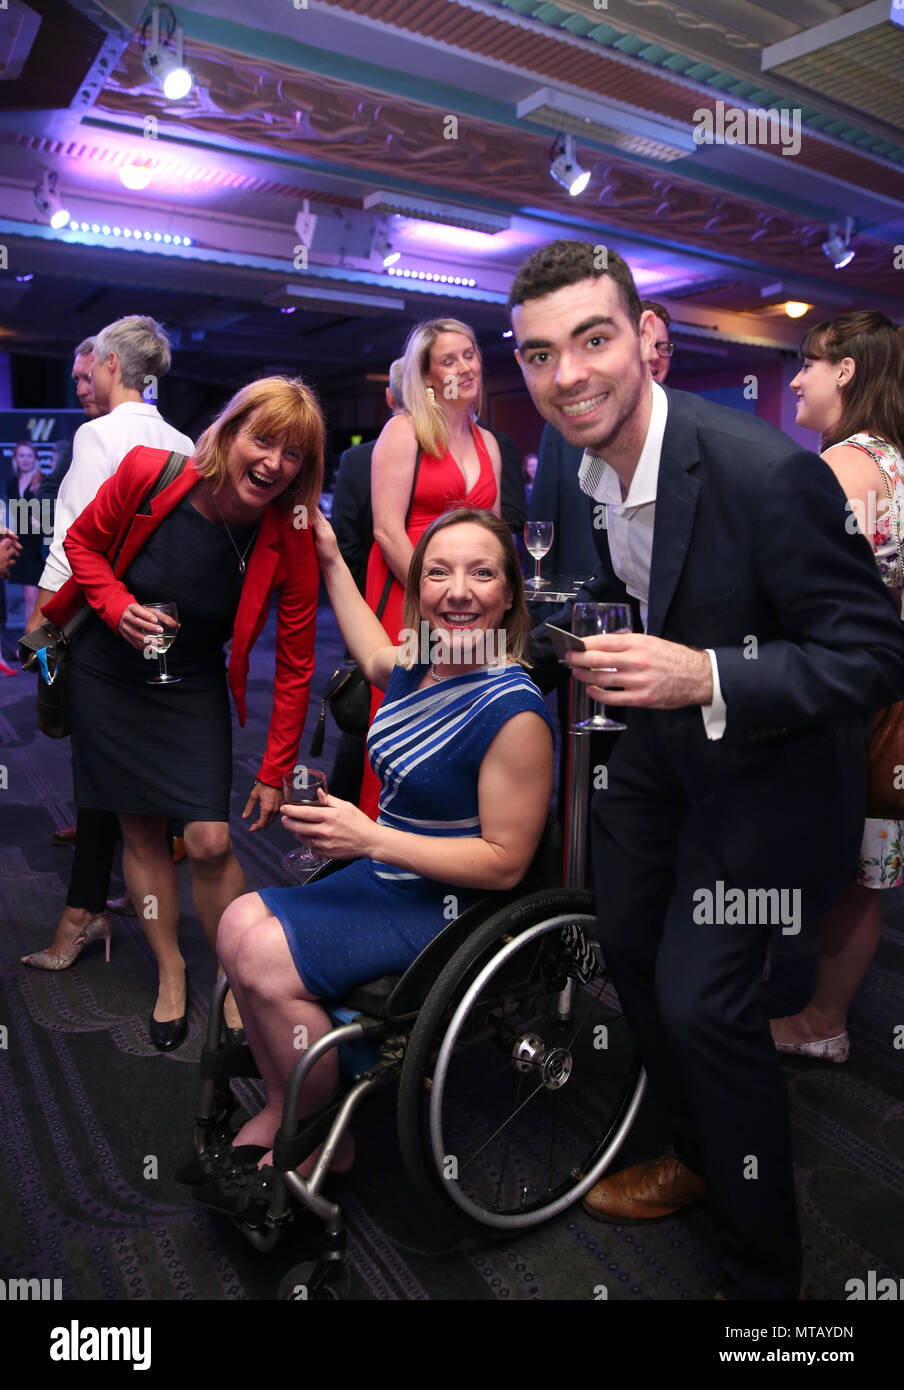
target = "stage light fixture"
x: 564, y: 166
x: 166, y: 65
x: 838, y: 247
x: 795, y: 308
x: 384, y: 249
x: 135, y: 175
x: 48, y: 201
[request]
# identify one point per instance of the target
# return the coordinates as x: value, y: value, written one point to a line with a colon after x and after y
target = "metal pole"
x: 578, y: 787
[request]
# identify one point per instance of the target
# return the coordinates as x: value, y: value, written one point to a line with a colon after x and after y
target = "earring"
x: 431, y: 393
x: 837, y: 385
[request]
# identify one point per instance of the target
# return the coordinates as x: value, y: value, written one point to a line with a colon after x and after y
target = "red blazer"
x: 283, y: 558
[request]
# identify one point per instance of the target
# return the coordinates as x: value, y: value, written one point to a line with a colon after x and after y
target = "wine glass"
x: 537, y: 540
x: 588, y: 620
x: 160, y: 643
x: 301, y: 790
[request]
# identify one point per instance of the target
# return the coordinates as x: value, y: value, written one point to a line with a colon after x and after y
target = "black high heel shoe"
x: 169, y: 1035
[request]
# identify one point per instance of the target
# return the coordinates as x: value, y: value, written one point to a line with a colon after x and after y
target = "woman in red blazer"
x: 218, y: 541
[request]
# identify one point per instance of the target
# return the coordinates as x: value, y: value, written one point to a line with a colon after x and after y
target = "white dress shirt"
x: 630, y: 522
x: 98, y: 449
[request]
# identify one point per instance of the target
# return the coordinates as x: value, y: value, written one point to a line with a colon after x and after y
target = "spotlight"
x: 48, y: 200
x: 795, y: 308
x: 135, y: 175
x: 165, y: 64
x: 838, y: 248
x: 565, y: 168
x: 384, y: 249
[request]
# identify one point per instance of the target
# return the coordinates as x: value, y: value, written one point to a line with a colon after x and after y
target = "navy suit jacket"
x: 556, y: 496
x: 352, y: 516
x: 753, y: 556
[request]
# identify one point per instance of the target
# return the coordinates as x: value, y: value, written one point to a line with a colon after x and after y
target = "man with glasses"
x: 659, y: 367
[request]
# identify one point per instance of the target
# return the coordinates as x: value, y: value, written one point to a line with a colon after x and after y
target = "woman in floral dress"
x: 851, y: 389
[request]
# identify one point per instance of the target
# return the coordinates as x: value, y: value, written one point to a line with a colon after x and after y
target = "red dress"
x: 440, y: 487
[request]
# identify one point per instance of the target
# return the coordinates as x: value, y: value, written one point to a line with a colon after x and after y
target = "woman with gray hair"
x: 429, y: 458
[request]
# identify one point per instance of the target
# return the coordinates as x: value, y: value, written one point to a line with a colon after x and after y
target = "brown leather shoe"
x: 647, y: 1192
x: 178, y: 849
x: 66, y: 836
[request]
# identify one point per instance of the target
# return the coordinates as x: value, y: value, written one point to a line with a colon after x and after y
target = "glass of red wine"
x: 300, y: 789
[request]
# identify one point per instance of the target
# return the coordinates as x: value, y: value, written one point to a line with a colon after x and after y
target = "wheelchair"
x: 517, y: 1079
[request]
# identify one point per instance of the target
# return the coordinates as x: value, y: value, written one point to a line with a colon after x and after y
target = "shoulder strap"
x: 384, y: 597
x: 169, y: 472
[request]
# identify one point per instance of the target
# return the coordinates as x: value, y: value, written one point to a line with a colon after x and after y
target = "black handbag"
x: 46, y: 650
x: 347, y: 692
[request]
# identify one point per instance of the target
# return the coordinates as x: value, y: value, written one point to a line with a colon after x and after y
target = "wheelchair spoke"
x: 501, y: 1127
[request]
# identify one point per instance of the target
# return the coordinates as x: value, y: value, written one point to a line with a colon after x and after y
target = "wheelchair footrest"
x: 221, y: 1063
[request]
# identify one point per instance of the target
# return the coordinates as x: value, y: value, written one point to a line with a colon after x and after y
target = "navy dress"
x: 162, y: 750
x: 426, y: 746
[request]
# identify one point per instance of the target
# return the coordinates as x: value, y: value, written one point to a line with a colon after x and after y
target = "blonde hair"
x: 427, y: 413
x: 288, y: 410
x: 516, y: 621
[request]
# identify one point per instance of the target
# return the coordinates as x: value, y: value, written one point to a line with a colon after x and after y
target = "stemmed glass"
x: 161, y: 642
x: 537, y: 540
x: 589, y: 620
x: 301, y: 790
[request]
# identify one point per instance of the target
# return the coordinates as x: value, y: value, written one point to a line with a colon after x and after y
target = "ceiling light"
x: 608, y: 122
x: 136, y: 175
x: 565, y: 168
x: 48, y: 200
x: 384, y: 249
x: 837, y: 247
x: 795, y: 308
x: 426, y: 210
x: 165, y: 64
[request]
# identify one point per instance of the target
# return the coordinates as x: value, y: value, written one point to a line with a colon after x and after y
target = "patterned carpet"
x: 93, y: 1121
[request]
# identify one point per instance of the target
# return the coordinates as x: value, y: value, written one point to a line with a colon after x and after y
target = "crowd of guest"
x: 159, y: 540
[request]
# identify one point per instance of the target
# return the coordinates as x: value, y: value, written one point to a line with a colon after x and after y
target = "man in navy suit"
x: 762, y: 640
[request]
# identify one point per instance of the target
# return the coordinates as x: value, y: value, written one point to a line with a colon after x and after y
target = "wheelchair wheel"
x: 514, y: 1097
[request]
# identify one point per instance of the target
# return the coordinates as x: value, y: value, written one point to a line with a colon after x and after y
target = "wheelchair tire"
x: 506, y: 1114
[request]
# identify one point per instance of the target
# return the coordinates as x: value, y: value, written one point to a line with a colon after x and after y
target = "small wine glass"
x: 537, y: 540
x: 301, y: 790
x: 588, y: 620
x: 160, y: 643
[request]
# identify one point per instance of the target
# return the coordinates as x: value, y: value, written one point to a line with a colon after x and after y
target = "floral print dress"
x: 881, y: 862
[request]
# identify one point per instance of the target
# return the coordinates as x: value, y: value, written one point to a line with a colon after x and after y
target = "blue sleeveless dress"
x: 426, y: 746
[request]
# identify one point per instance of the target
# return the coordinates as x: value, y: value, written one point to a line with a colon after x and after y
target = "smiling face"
x: 819, y: 402
x: 585, y: 365
x: 463, y: 589
x: 258, y: 467
x: 454, y: 368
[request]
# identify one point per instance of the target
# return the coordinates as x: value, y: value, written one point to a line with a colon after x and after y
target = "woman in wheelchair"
x: 463, y: 747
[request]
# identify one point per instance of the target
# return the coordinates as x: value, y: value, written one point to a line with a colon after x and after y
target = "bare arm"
x: 364, y: 635
x: 859, y: 476
x: 492, y: 444
x: 391, y: 479
x: 514, y: 787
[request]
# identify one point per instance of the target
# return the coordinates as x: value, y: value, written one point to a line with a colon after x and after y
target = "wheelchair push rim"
x: 548, y: 1114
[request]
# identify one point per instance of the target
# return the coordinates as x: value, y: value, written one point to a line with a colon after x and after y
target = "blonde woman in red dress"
x: 460, y: 466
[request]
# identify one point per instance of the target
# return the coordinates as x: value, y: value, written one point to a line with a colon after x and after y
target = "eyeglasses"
x: 665, y: 349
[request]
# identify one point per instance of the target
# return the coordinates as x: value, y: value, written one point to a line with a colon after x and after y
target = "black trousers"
x: 690, y: 992
x: 95, y: 840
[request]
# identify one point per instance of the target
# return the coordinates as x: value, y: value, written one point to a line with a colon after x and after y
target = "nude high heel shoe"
x: 96, y: 930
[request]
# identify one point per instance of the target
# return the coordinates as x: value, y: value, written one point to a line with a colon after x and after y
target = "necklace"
x: 490, y: 666
x: 232, y: 538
